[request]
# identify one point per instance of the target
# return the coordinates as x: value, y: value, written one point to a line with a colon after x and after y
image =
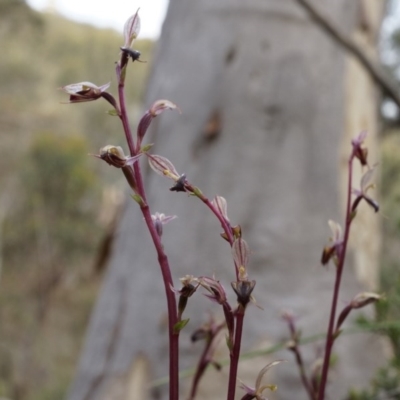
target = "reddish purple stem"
x: 330, y: 337
x: 162, y: 258
x: 235, y: 354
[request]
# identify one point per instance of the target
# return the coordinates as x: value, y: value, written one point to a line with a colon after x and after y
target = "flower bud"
x: 131, y: 30
x: 240, y: 253
x: 360, y: 152
x: 359, y: 301
x: 114, y: 155
x: 243, y: 290
x: 162, y: 166
x: 220, y: 204
x: 361, y: 193
x: 84, y: 91
x: 159, y: 220
x: 333, y: 251
x: 364, y: 298
x: 156, y: 109
x: 161, y: 105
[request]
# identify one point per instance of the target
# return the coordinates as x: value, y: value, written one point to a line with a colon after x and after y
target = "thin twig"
x: 375, y: 69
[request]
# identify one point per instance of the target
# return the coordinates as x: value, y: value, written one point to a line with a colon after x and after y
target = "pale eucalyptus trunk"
x: 285, y: 95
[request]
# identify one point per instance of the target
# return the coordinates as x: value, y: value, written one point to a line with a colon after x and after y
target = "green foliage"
x: 386, y: 384
x: 57, y: 203
x: 50, y: 191
x: 51, y: 231
x: 389, y: 310
x: 50, y: 198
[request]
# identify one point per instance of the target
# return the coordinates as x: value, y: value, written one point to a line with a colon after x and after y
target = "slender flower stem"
x: 124, y: 117
x: 171, y: 304
x: 330, y: 336
x: 295, y: 348
x: 300, y: 363
x: 235, y: 354
x: 224, y: 223
x: 162, y: 258
x: 204, y: 361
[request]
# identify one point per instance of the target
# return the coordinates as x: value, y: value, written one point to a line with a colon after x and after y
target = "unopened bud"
x: 359, y: 301
x: 360, y: 152
x: 240, y: 253
x: 364, y: 298
x: 113, y: 155
x: 243, y: 290
x: 131, y: 30
x: 159, y: 220
x: 220, y: 204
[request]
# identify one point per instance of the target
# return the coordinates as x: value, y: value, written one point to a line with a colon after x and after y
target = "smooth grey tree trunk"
x: 278, y: 85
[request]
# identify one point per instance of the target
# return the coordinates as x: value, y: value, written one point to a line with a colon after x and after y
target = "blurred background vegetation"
x: 57, y: 204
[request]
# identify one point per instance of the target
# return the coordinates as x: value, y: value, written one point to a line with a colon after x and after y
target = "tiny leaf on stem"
x: 180, y: 325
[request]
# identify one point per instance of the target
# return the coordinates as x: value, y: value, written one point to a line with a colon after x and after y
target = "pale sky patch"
x: 109, y: 14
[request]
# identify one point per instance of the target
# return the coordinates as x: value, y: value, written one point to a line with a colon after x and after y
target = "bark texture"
x: 283, y: 95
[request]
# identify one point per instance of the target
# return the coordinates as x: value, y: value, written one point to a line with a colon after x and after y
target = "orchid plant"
x: 242, y: 285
